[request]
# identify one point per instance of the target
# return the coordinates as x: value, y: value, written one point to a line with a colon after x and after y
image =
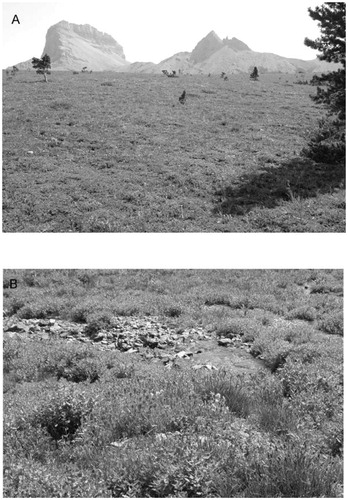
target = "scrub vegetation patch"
x: 261, y: 415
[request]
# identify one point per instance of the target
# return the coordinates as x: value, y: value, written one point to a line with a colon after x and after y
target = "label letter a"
x: 15, y: 19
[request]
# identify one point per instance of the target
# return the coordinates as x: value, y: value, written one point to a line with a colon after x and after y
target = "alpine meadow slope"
x: 118, y: 152
x: 131, y: 150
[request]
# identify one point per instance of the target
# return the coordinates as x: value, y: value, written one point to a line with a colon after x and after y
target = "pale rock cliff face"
x: 206, y: 47
x: 73, y: 46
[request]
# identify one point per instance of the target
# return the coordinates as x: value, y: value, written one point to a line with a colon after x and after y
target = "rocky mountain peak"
x: 235, y: 44
x: 88, y: 33
x: 72, y: 46
x: 206, y: 47
x: 213, y: 35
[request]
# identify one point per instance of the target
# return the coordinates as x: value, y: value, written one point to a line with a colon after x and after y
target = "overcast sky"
x: 152, y: 30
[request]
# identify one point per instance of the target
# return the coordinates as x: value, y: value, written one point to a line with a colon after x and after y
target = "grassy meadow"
x: 109, y: 152
x: 137, y: 429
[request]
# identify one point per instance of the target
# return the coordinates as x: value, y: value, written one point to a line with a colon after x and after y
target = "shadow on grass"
x: 298, y: 178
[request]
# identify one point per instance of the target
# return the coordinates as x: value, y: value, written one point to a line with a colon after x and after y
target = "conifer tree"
x: 42, y: 65
x: 255, y: 74
x: 332, y: 45
x: 328, y: 144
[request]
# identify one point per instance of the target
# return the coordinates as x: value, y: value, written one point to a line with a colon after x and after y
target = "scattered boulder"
x: 225, y: 342
x: 19, y: 327
x: 120, y: 443
x: 207, y: 366
x: 99, y: 337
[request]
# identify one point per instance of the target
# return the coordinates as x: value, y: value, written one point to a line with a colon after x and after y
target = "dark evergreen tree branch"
x: 328, y: 144
x: 332, y: 45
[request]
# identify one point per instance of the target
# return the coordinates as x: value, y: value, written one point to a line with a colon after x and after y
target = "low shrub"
x: 8, y: 382
x: 243, y: 327
x: 28, y: 478
x: 298, y: 334
x: 88, y: 279
x: 15, y: 305
x: 30, y: 278
x: 126, y: 310
x: 221, y: 385
x: 79, y: 314
x: 306, y: 353
x: 292, y: 470
x: 62, y: 414
x: 173, y: 311
x: 120, y: 371
x: 274, y: 344
x: 304, y: 312
x: 335, y: 442
x: 266, y: 320
x: 40, y: 310
x: 332, y: 324
x: 33, y: 361
x: 11, y: 352
x: 244, y: 303
x: 97, y: 321
x: 182, y: 465
x: 271, y: 348
x: 217, y: 300
x: 79, y: 371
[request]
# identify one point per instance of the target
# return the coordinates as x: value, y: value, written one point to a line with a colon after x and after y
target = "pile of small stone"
x: 147, y: 336
x: 125, y: 333
x: 236, y: 341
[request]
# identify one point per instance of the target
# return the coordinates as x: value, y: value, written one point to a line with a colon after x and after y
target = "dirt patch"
x: 234, y: 359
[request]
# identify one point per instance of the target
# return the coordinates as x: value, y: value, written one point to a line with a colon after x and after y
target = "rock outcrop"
x: 72, y: 47
x: 211, y: 44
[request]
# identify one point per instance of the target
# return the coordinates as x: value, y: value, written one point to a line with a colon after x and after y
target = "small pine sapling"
x: 255, y: 74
